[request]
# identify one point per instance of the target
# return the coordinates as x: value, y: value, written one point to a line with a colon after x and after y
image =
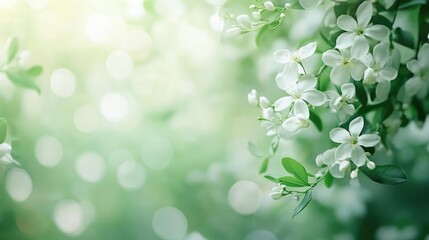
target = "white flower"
x: 357, y: 32
x: 342, y: 104
x: 5, y: 154
x: 419, y: 83
x: 300, y: 93
x: 377, y: 63
x: 269, y: 6
x: 243, y: 21
x: 277, y: 192
x: 233, y: 32
x: 264, y: 102
x: 24, y: 58
x: 256, y: 15
x: 354, y: 174
x: 295, y: 123
x: 284, y: 56
x: 343, y: 66
x: 351, y: 142
x: 252, y: 98
x: 308, y: 4
x: 326, y: 158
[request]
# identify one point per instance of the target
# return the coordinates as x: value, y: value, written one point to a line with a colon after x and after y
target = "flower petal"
x: 356, y: 69
x: 364, y: 13
x: 382, y: 91
x: 348, y: 91
x: 281, y: 81
x: 283, y: 103
x: 345, y: 40
x: 314, y: 97
x: 307, y: 50
x: 360, y: 47
x: 388, y: 73
x: 282, y: 56
x: 292, y: 124
x: 306, y: 82
x: 423, y: 55
x: 340, y: 75
x: 413, y: 85
x: 329, y: 156
x: 334, y: 170
x: 358, y: 155
x: 347, y: 23
x: 308, y: 4
x: 349, y: 109
x: 368, y: 140
x: 381, y: 51
x: 332, y: 58
x: 369, y: 77
x: 300, y: 108
x: 377, y: 32
x: 339, y: 135
x: 356, y: 126
x: 368, y: 60
x: 414, y: 66
x: 343, y: 151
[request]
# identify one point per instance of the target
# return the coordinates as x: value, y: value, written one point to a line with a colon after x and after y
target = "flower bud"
x: 256, y: 15
x: 244, y: 21
x: 252, y: 6
x: 344, y: 165
x: 276, y: 195
x: 269, y: 6
x: 267, y: 113
x: 24, y: 58
x: 233, y: 32
x: 319, y: 160
x: 354, y: 174
x: 252, y: 97
x: 282, y: 15
x: 370, y: 165
x: 264, y: 102
x: 288, y: 5
x: 5, y: 149
x: 295, y: 196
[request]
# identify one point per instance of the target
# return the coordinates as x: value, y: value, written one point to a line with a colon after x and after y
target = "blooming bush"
x: 373, y: 77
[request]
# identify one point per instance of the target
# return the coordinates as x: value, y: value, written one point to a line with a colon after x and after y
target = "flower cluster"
x: 372, y: 90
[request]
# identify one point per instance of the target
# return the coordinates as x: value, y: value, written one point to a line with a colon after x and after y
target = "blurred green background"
x: 141, y: 132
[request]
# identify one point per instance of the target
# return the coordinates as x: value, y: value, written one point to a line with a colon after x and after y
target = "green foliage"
x: 328, y: 180
x: 303, y: 204
x: 271, y: 178
x: 403, y: 37
x: 292, y: 181
x: 35, y: 71
x: 22, y: 78
x: 264, y: 165
x: 295, y: 168
x: 12, y: 49
x: 254, y: 150
x: 316, y: 120
x: 409, y: 4
x: 386, y: 174
x: 3, y: 130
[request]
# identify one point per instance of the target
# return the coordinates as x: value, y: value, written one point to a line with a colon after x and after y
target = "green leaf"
x: 295, y: 168
x: 35, y: 71
x: 254, y: 150
x: 12, y: 49
x: 3, y: 130
x: 264, y: 165
x: 403, y: 37
x: 271, y: 178
x: 386, y: 174
x: 292, y: 181
x: 305, y: 201
x: 361, y: 93
x: 316, y: 120
x: 409, y: 4
x: 259, y: 37
x: 274, y: 145
x: 328, y: 180
x: 274, y: 24
x: 16, y: 149
x: 21, y: 78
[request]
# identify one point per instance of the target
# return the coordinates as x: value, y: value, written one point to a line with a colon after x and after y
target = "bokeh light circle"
x: 114, y: 107
x: 85, y: 119
x: 170, y: 223
x: 130, y: 175
x: 157, y: 153
x: 63, y: 82
x: 48, y: 151
x: 19, y: 184
x: 90, y: 166
x: 244, y: 197
x: 119, y: 65
x: 69, y: 217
